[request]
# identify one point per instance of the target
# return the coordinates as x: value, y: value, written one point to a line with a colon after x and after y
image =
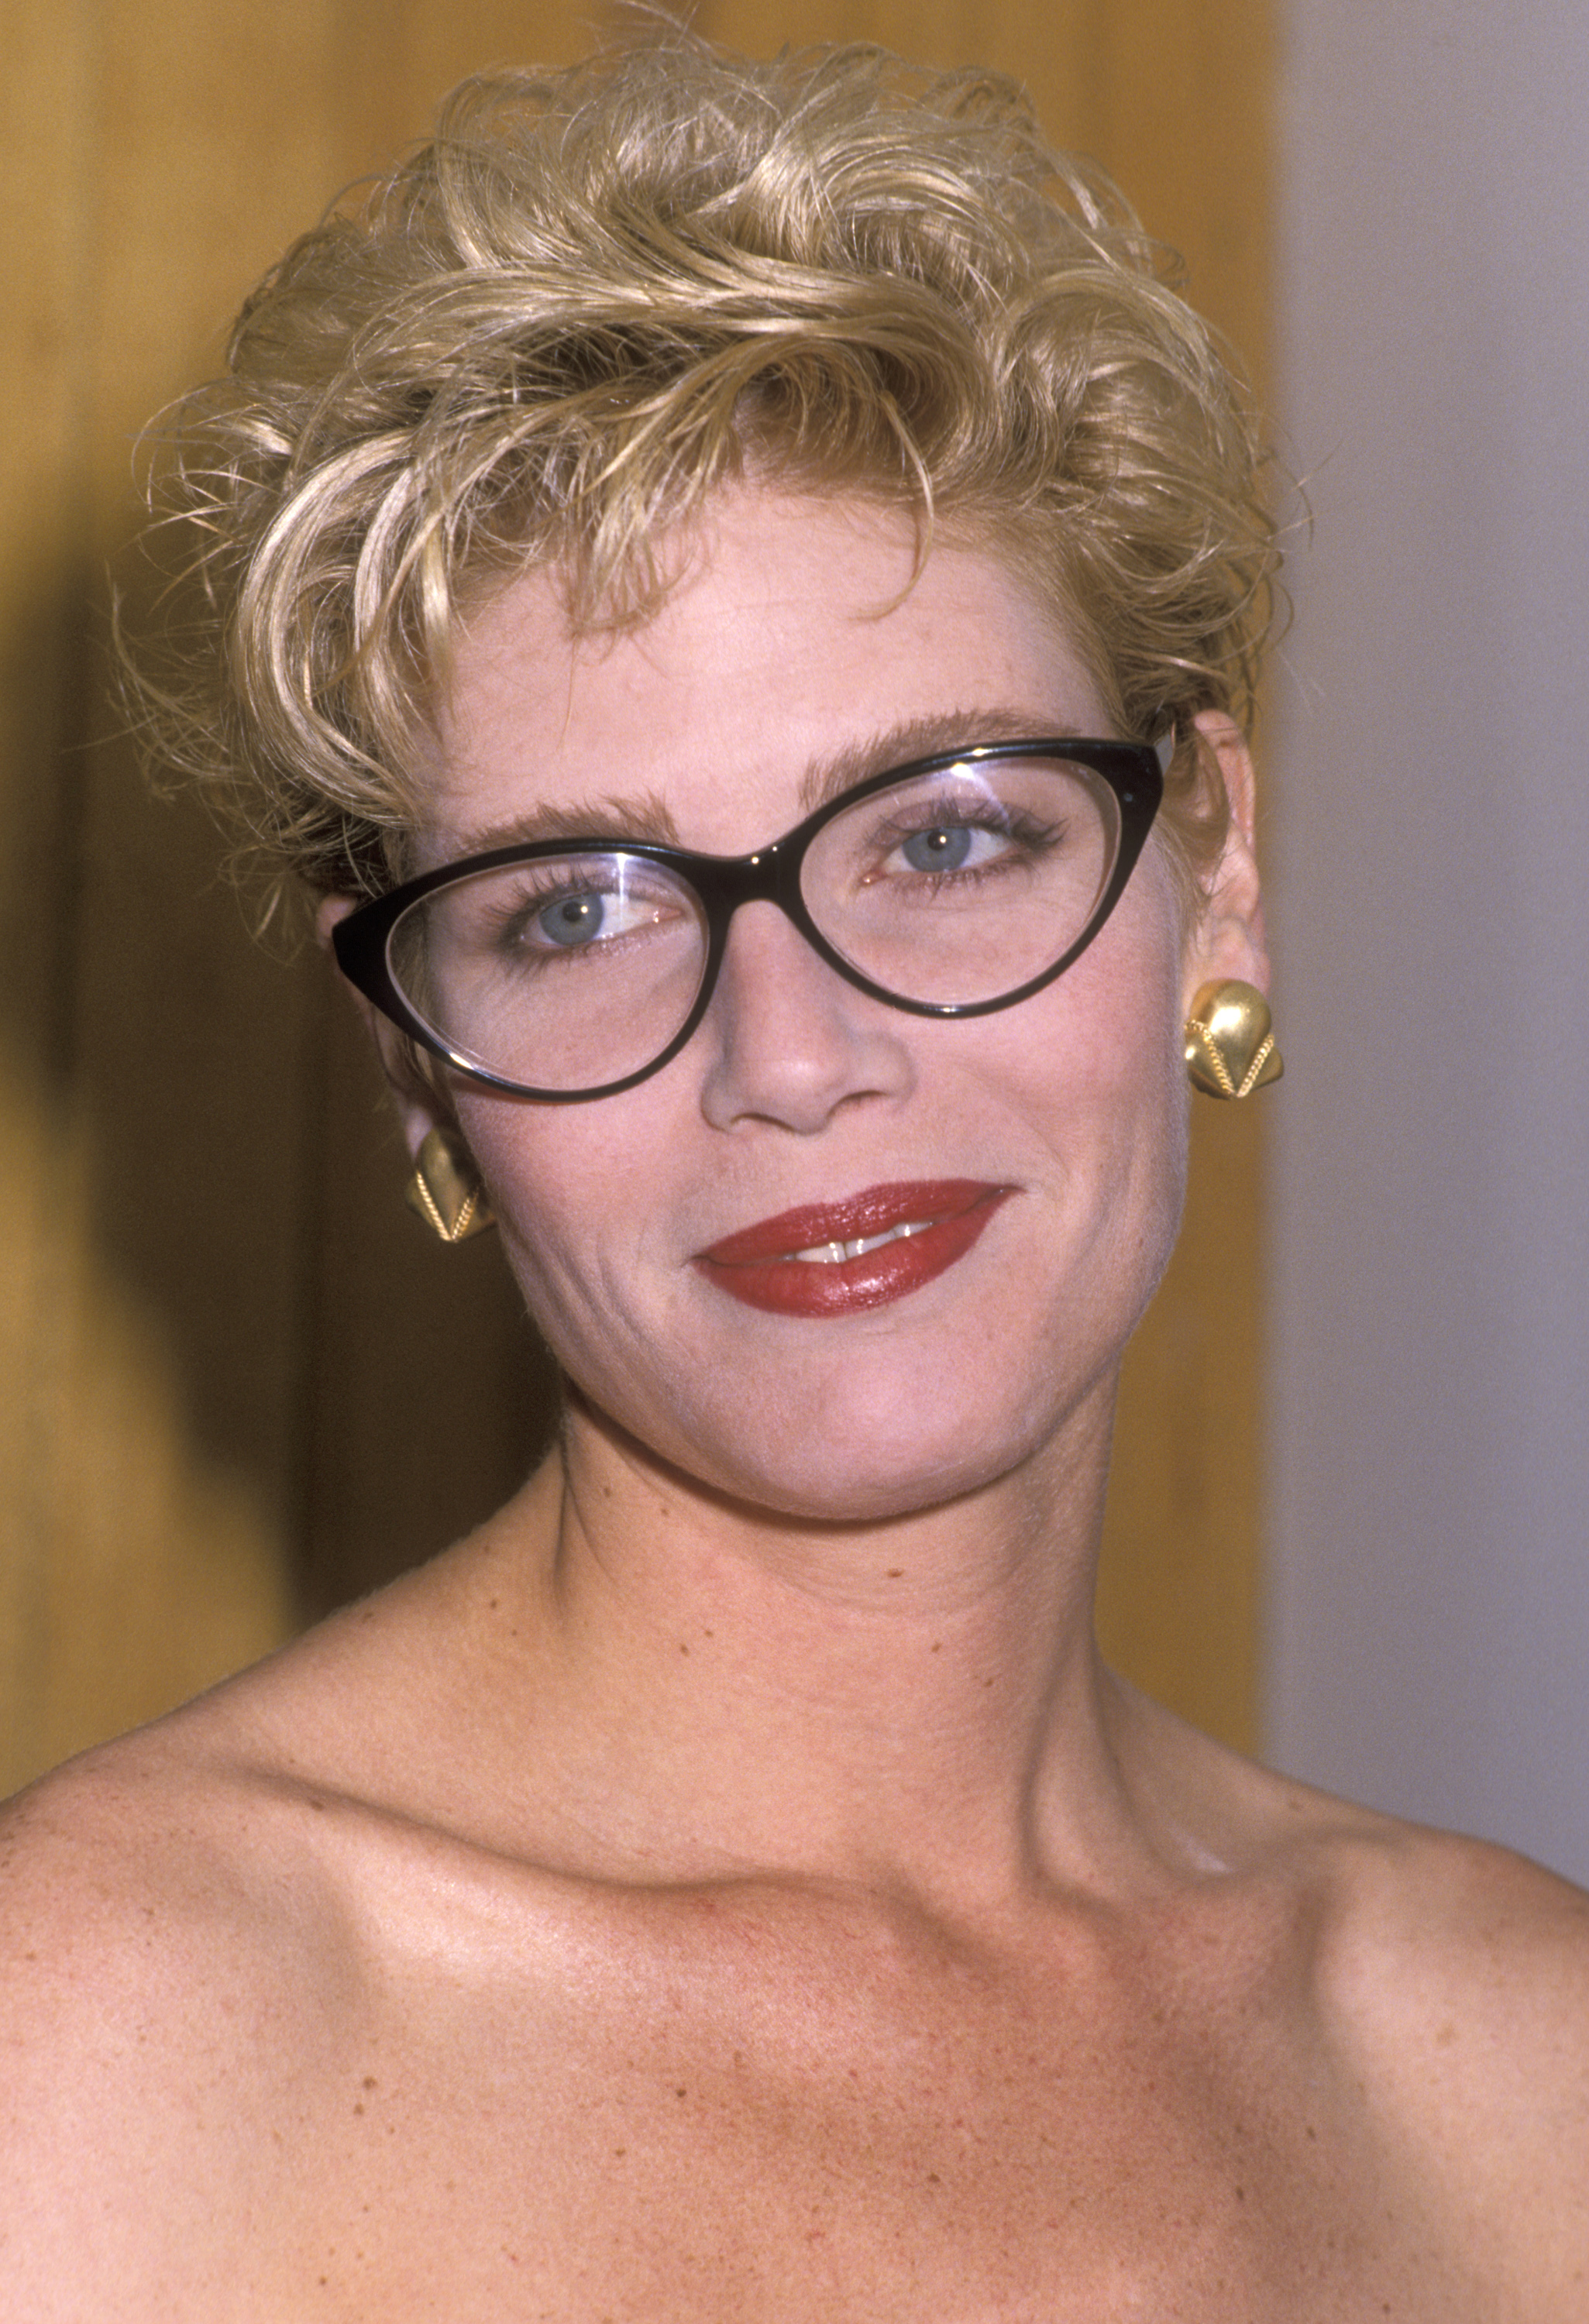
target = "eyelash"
x: 1023, y: 831
x: 507, y: 921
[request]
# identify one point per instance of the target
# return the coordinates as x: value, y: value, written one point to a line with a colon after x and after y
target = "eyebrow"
x: 922, y: 738
x: 645, y: 816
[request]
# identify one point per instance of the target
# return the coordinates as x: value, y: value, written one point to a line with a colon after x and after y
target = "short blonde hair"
x: 597, y: 295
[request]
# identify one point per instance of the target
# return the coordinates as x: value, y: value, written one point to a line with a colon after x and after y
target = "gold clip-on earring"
x: 1230, y: 1048
x: 446, y: 1191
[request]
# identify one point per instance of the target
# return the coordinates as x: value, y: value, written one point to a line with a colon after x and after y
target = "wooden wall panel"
x: 236, y: 1384
x: 164, y: 1427
x: 41, y: 568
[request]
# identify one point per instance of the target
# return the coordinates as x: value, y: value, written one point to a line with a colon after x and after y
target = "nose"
x: 790, y: 1041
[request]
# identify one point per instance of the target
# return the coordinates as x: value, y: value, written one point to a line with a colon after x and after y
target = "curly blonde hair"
x: 597, y: 295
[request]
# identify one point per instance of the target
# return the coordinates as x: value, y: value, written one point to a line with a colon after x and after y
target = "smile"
x: 842, y: 1258
x: 829, y: 1254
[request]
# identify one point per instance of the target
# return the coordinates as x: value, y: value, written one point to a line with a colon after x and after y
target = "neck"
x: 917, y: 1700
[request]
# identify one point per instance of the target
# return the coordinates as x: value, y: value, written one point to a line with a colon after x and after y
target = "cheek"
x: 1102, y: 1070
x: 548, y: 1180
x: 1105, y: 1042
x: 579, y: 1202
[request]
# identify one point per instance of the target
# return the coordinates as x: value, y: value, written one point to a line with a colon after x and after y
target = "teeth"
x: 829, y: 1254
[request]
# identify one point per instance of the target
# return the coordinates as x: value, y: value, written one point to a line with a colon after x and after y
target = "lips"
x: 927, y: 1224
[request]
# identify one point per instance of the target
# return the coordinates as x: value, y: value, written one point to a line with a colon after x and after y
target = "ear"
x: 1225, y: 937
x: 421, y: 1107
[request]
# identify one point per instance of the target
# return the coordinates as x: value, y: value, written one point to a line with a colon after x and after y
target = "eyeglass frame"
x: 1134, y: 771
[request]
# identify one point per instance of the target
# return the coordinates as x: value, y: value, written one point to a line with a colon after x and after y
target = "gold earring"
x: 446, y: 1191
x: 1230, y: 1048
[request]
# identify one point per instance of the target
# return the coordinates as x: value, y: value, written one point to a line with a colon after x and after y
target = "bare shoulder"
x: 198, y: 1927
x: 1444, y: 1983
x: 1454, y: 1980
x: 1428, y: 1947
x: 1443, y: 1949
x: 1460, y: 1954
x: 204, y: 1870
x: 163, y: 1957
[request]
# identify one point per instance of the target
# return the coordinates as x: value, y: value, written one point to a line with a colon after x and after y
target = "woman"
x: 707, y: 578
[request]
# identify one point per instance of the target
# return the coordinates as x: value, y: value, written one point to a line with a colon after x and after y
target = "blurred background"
x: 238, y: 1384
x: 1426, y: 1562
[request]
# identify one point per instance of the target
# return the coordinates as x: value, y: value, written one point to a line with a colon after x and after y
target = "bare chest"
x: 897, y: 2143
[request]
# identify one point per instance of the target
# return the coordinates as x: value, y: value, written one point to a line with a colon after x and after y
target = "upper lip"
x: 874, y: 1210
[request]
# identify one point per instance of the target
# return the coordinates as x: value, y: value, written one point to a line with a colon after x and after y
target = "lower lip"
x: 848, y: 1286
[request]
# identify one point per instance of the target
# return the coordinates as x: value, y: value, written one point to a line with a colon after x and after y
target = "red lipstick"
x: 929, y: 1223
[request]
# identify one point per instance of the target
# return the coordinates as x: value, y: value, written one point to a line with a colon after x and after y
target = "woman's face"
x: 1043, y: 1146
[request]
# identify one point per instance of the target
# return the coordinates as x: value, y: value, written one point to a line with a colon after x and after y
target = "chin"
x: 854, y: 1449
x: 864, y: 1493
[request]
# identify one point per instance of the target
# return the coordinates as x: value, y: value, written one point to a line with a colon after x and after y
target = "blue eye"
x: 572, y: 920
x: 944, y: 848
x: 949, y: 848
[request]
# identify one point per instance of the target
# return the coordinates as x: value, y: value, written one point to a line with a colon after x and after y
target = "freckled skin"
x: 727, y: 1886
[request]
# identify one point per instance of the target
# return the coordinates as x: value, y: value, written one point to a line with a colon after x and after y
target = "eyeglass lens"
x: 574, y: 969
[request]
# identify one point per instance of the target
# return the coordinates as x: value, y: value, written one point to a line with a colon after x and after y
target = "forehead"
x: 797, y: 633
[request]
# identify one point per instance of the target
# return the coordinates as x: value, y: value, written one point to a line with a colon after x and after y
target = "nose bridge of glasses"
x: 790, y: 1034
x: 770, y: 876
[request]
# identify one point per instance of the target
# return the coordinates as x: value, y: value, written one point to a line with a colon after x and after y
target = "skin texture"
x: 728, y: 1885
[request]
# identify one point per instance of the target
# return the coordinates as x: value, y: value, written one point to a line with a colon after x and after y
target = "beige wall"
x: 236, y: 1382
